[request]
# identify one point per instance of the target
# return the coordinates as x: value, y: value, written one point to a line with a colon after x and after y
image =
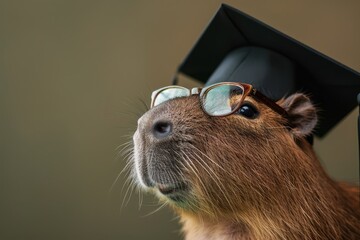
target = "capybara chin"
x: 241, y: 177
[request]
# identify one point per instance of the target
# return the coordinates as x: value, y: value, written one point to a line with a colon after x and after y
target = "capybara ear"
x: 302, y: 114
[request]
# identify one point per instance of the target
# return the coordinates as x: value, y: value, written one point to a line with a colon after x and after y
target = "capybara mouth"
x: 176, y: 192
x: 170, y: 189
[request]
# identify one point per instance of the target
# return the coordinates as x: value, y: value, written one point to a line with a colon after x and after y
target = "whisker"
x: 208, y: 158
x: 127, y: 154
x: 211, y: 173
x: 133, y: 187
x: 147, y: 108
x: 129, y: 104
x: 127, y: 182
x: 130, y: 114
x: 126, y: 168
x: 123, y: 144
x: 156, y: 210
x: 140, y: 198
x: 125, y: 199
x: 196, y: 172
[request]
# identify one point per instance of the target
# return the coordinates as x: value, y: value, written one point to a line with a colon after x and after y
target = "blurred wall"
x: 72, y: 77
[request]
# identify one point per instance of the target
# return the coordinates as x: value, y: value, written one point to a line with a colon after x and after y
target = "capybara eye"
x: 248, y: 111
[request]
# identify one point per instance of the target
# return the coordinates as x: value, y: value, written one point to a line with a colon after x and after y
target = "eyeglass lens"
x: 170, y: 93
x: 222, y: 100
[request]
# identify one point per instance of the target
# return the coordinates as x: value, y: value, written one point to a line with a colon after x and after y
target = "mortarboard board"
x: 238, y: 48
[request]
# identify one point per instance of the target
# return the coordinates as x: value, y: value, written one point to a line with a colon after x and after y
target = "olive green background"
x: 72, y: 74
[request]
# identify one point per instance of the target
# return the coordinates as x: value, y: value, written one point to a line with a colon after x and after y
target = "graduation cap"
x: 235, y: 47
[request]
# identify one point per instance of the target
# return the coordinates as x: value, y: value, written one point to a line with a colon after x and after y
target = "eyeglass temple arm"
x: 258, y: 95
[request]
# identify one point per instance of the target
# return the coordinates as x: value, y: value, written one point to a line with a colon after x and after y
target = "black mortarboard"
x: 238, y: 48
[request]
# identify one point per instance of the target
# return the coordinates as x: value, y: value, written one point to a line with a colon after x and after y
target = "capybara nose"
x: 162, y: 129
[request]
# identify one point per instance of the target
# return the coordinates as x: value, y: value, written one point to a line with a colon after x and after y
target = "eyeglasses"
x: 221, y: 99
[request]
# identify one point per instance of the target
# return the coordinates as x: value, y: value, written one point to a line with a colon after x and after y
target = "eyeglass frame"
x: 248, y: 90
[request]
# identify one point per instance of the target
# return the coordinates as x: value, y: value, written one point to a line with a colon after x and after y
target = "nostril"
x: 162, y: 129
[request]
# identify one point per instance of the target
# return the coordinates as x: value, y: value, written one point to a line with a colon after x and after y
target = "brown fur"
x: 247, y: 179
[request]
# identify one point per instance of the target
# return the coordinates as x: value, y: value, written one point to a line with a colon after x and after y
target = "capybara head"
x: 214, y: 165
